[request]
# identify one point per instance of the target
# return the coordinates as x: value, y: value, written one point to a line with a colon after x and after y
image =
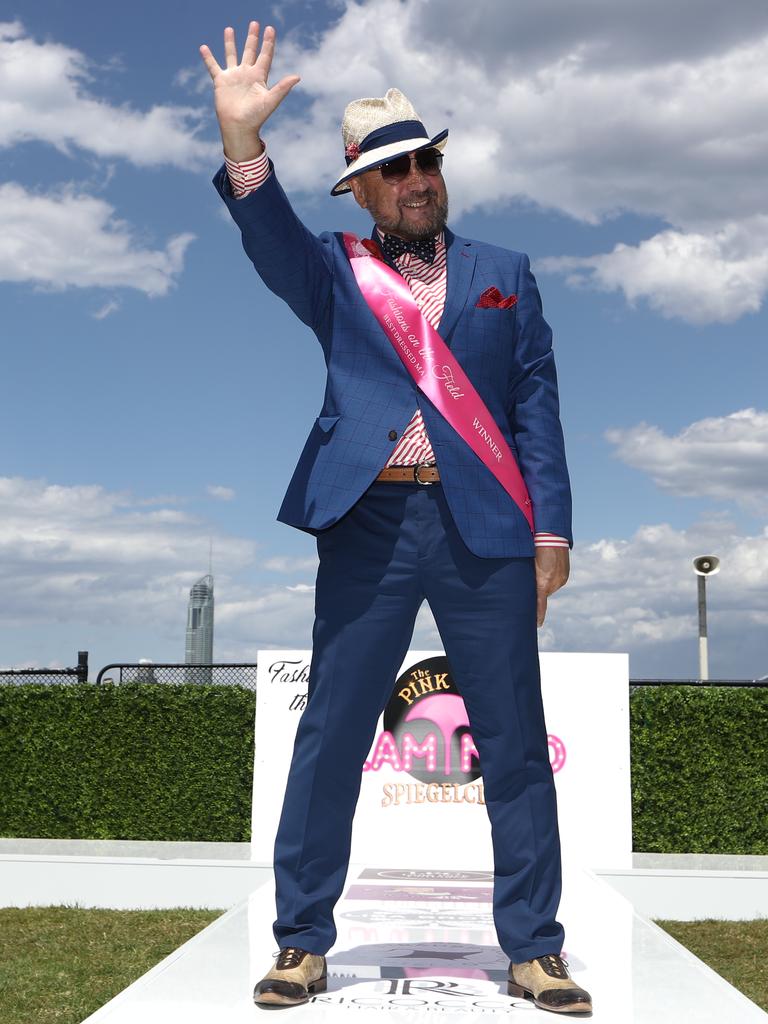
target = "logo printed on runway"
x: 423, y: 917
x: 424, y: 995
x: 426, y: 875
x: 421, y: 893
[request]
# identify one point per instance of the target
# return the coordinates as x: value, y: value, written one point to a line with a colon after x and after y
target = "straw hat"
x: 376, y: 130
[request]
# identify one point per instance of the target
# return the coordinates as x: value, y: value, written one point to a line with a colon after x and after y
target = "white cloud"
x: 219, y: 492
x: 590, y: 112
x: 635, y: 594
x: 602, y: 33
x: 36, y: 244
x: 255, y: 618
x: 90, y: 562
x: 106, y: 310
x: 590, y: 116
x: 723, y: 457
x: 281, y: 563
x: 49, y: 93
x: 680, y: 140
x: 194, y: 79
x: 82, y: 553
x: 697, y: 277
x: 639, y: 595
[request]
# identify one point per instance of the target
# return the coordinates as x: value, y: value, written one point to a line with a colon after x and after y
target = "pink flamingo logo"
x: 448, y: 713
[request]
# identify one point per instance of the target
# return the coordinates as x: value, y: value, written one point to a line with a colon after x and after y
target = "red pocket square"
x: 493, y: 299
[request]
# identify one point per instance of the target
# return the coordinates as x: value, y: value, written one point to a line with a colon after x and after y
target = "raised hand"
x: 242, y: 97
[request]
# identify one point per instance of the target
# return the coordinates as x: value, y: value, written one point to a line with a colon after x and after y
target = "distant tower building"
x: 199, y: 646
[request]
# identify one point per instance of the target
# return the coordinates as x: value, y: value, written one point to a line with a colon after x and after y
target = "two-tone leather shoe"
x: 547, y: 982
x: 294, y: 976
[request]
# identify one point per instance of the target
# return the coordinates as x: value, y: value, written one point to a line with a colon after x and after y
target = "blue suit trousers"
x: 396, y: 547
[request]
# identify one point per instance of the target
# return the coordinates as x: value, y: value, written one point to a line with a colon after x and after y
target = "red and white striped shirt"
x: 427, y: 282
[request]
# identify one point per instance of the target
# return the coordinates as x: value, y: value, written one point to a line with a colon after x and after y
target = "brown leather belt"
x: 420, y: 473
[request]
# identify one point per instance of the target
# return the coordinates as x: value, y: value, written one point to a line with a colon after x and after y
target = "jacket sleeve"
x: 535, y: 413
x: 290, y: 260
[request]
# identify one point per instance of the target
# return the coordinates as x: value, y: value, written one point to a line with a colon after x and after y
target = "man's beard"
x: 405, y: 229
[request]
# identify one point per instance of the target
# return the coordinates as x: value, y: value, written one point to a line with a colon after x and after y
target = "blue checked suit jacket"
x: 370, y: 396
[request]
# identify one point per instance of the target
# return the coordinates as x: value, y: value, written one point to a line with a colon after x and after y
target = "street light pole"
x: 705, y: 565
x: 703, y: 652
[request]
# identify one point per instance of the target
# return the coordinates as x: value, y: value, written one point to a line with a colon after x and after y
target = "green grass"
x: 735, y: 949
x: 59, y: 964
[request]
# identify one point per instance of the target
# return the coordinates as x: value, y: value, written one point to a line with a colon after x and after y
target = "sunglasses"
x: 429, y: 161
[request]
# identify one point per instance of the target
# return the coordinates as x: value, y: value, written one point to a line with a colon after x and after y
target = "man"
x: 407, y: 505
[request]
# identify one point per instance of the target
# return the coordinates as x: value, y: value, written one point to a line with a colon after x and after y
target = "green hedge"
x: 700, y: 769
x: 175, y: 763
x: 135, y: 761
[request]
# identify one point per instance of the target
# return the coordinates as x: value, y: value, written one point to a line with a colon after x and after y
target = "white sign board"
x: 421, y: 800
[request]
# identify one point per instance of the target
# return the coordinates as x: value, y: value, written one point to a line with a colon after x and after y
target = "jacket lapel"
x: 461, y: 258
x: 390, y: 263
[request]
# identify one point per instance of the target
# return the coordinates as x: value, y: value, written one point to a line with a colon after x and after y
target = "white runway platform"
x: 420, y: 947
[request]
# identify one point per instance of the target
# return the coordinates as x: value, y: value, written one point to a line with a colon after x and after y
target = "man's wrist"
x: 240, y: 146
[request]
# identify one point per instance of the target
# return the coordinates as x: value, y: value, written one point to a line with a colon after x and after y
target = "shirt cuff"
x: 246, y: 177
x: 549, y: 540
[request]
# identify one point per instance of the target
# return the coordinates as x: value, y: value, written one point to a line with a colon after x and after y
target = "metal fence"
x: 242, y: 674
x: 19, y: 676
x: 245, y: 675
x: 697, y: 682
x: 237, y: 674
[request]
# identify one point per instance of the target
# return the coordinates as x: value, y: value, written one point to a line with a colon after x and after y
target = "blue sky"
x: 157, y: 396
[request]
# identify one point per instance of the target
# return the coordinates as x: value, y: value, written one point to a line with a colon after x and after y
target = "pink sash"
x: 436, y: 371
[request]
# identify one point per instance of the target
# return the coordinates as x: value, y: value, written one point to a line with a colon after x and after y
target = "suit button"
x: 392, y: 435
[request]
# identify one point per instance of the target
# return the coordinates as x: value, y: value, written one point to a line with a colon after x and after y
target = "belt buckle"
x: 424, y: 465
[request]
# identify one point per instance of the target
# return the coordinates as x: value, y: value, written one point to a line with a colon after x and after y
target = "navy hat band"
x: 391, y: 133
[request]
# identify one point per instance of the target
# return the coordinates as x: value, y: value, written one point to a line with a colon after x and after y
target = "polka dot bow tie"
x: 395, y: 247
